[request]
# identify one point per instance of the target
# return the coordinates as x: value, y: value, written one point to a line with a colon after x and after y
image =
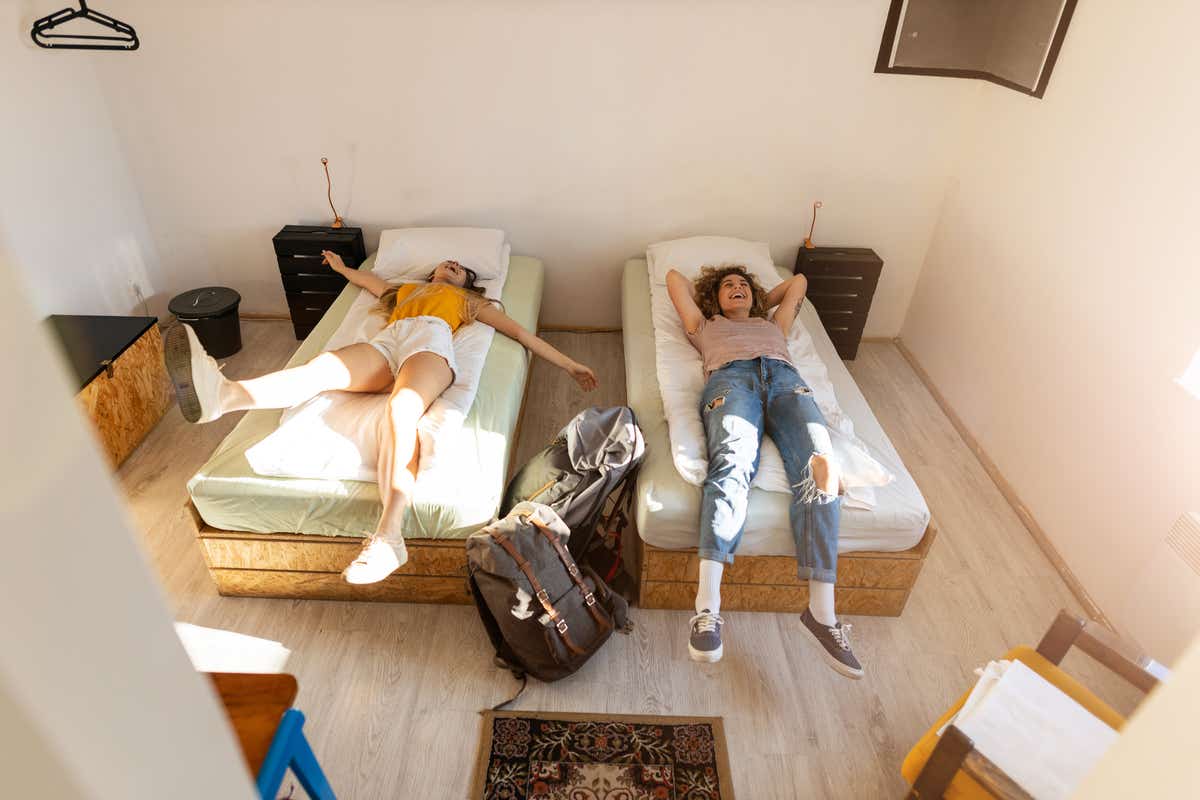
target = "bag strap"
x: 518, y: 673
x: 618, y: 519
x: 540, y: 593
x: 589, y: 599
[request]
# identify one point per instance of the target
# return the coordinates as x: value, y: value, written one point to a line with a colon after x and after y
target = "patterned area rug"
x: 535, y: 756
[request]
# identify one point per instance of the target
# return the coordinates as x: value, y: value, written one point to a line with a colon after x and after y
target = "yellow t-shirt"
x: 441, y: 300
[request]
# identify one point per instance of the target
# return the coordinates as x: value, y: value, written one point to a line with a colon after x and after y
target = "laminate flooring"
x: 392, y: 691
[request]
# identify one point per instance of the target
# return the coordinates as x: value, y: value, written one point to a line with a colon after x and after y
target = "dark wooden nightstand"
x: 311, y: 287
x: 841, y: 283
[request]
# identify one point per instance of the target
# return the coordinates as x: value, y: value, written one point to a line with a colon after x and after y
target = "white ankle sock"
x: 709, y: 595
x: 820, y: 602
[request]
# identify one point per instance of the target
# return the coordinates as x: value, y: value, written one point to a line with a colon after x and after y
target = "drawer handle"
x: 318, y: 308
x: 834, y: 294
x: 838, y: 329
x: 839, y: 277
x: 314, y: 275
x: 306, y: 255
x: 825, y: 311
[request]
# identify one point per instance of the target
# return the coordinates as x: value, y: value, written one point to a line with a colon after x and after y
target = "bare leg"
x: 205, y: 394
x: 357, y: 368
x: 421, y: 379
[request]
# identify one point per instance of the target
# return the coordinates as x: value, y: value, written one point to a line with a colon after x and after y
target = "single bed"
x: 289, y: 537
x: 882, y: 548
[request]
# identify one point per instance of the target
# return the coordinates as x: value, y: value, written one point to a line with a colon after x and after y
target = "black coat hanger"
x: 42, y: 36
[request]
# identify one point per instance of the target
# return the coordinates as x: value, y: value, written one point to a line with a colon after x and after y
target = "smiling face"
x: 450, y: 272
x: 735, y: 296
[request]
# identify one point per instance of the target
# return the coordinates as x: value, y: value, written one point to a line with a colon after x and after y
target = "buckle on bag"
x: 561, y: 625
x: 589, y: 599
x: 543, y: 596
x: 573, y: 570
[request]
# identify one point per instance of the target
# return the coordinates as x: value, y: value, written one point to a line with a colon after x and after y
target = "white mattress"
x: 668, y: 508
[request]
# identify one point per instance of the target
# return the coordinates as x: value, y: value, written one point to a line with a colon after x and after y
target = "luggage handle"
x: 542, y: 595
x: 589, y: 600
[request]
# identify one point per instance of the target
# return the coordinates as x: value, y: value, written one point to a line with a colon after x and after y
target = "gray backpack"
x: 545, y: 615
x: 587, y: 475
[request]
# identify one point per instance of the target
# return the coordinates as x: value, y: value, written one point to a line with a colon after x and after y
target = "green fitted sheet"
x: 229, y: 495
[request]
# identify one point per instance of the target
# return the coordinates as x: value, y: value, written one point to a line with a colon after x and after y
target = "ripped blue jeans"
x: 741, y: 401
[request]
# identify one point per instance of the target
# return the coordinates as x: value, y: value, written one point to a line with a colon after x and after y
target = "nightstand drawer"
x: 312, y: 263
x: 841, y: 322
x: 846, y: 342
x: 835, y: 302
x: 303, y: 240
x: 313, y: 282
x: 309, y: 307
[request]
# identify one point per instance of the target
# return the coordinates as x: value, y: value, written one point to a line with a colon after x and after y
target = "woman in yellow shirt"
x: 412, y: 358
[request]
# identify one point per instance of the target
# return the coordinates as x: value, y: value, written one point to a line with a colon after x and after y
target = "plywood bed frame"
x: 289, y: 565
x: 308, y: 567
x: 870, y: 583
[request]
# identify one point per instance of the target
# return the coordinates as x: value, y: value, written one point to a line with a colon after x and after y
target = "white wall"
x: 586, y: 130
x: 69, y: 210
x: 98, y: 700
x: 1155, y: 755
x: 1060, y: 297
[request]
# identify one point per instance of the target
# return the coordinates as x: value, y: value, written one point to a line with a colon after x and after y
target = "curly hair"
x: 708, y: 287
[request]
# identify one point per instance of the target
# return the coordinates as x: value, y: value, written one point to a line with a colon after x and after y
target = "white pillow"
x: 689, y: 255
x: 412, y: 253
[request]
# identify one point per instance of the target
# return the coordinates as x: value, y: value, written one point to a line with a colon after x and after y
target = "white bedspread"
x: 334, y: 435
x: 681, y: 378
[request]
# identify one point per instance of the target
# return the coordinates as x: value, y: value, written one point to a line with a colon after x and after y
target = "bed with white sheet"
x: 883, y: 540
x: 273, y: 536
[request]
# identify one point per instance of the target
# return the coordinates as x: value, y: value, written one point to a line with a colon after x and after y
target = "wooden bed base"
x: 291, y: 565
x: 307, y: 567
x: 301, y: 566
x: 868, y: 583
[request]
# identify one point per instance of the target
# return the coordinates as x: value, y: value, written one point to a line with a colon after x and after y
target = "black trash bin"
x: 212, y: 311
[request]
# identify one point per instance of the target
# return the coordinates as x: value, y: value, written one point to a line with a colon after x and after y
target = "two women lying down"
x: 412, y: 358
x: 752, y: 388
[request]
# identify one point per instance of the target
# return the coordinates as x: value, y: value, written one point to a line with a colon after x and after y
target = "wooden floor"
x: 392, y: 692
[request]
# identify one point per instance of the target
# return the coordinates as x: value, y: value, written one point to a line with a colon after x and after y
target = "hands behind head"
x: 583, y: 376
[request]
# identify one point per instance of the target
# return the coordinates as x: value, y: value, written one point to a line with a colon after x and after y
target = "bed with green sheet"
x: 291, y: 537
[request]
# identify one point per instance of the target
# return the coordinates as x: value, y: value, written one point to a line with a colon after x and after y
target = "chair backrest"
x: 955, y: 751
x: 1101, y: 644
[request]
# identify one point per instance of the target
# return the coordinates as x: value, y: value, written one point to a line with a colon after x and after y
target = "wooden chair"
x: 949, y: 766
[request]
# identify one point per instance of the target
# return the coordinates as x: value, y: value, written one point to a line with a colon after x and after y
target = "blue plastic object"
x: 289, y: 748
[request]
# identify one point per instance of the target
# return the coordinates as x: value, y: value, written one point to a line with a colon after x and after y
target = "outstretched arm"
x: 788, y: 296
x: 364, y: 280
x: 490, y: 315
x: 680, y: 290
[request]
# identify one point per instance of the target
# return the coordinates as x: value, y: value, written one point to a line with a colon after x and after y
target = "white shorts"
x: 405, y: 338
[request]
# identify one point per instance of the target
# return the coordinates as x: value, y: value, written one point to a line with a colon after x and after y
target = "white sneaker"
x: 196, y: 375
x: 375, y: 561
